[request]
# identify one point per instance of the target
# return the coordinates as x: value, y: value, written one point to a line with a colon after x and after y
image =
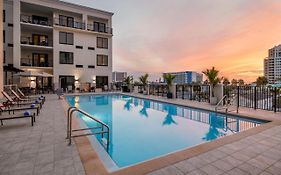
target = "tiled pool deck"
x: 42, y: 149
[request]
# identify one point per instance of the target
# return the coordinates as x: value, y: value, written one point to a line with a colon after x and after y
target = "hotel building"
x: 272, y: 65
x: 118, y: 76
x: 187, y: 77
x: 73, y: 43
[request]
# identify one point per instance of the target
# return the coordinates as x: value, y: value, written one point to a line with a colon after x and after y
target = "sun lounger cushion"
x: 27, y: 113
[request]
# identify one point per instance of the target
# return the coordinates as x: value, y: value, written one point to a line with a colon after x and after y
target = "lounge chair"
x: 11, y: 108
x: 11, y: 101
x: 26, y: 114
x: 27, y: 99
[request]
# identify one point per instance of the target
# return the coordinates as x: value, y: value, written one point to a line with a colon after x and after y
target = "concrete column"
x: 174, y: 90
x: 1, y: 48
x: 218, y: 91
x: 16, y: 34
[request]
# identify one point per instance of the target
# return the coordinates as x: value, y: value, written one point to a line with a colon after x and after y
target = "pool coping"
x: 92, y: 163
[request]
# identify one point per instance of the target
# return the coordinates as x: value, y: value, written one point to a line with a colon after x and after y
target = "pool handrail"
x: 69, y: 135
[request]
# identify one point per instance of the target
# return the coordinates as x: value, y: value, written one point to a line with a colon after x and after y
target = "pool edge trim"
x: 92, y: 163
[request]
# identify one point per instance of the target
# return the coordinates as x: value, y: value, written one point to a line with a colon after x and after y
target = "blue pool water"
x: 143, y: 129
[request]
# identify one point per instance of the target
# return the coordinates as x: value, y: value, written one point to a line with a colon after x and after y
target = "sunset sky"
x: 157, y: 36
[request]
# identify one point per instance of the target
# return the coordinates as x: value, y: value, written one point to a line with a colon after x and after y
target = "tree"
x: 169, y: 80
x: 213, y: 78
x: 128, y: 80
x: 241, y: 82
x: 225, y: 81
x: 144, y: 80
x: 234, y: 82
x: 261, y: 81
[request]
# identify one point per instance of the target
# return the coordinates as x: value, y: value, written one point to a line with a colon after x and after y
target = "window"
x: 66, y: 58
x: 66, y: 21
x: 40, y: 20
x: 10, y: 45
x: 99, y: 27
x: 102, y: 43
x: 41, y: 40
x: 79, y: 47
x: 66, y: 81
x: 4, y: 36
x: 10, y: 25
x: 91, y: 66
x: 79, y: 66
x: 101, y: 81
x: 102, y: 60
x: 4, y: 56
x: 91, y: 48
x: 4, y: 15
x: 40, y: 60
x: 66, y: 38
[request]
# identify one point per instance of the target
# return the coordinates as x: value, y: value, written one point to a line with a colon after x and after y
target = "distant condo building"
x: 272, y: 65
x: 118, y: 76
x: 71, y: 43
x: 187, y: 77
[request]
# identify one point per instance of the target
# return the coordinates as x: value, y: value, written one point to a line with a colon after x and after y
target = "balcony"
x: 36, y: 20
x: 94, y: 28
x: 69, y: 23
x: 38, y: 43
x: 28, y: 62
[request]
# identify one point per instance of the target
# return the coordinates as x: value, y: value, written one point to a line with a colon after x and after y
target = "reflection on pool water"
x: 143, y: 129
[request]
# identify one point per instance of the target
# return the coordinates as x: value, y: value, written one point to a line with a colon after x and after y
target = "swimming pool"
x: 142, y: 129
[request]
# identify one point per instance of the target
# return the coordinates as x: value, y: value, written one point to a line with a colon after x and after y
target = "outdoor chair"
x: 28, y: 97
x: 24, y: 99
x: 26, y: 114
x: 12, y: 108
x: 11, y: 101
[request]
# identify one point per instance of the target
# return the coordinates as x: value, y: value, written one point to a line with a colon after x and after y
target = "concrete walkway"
x: 41, y: 149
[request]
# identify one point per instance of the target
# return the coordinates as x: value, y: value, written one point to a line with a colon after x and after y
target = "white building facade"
x: 118, y: 76
x: 187, y: 77
x: 71, y: 42
x: 272, y: 65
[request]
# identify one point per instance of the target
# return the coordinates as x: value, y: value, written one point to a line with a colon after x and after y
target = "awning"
x: 44, y: 74
x: 11, y: 68
x: 29, y: 74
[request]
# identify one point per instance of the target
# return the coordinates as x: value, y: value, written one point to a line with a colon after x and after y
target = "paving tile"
x: 227, y: 163
x: 185, y: 166
x: 197, y: 172
x: 237, y: 171
x: 250, y: 168
x: 197, y: 162
x: 274, y: 170
x: 211, y: 170
x: 261, y: 162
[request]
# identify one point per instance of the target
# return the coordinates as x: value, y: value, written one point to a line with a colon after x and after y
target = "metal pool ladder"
x: 229, y: 102
x: 104, y: 127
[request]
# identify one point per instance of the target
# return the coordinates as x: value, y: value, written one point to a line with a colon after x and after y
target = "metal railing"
x: 265, y: 98
x: 158, y: 89
x: 199, y: 93
x: 91, y: 27
x: 31, y: 20
x: 71, y: 24
x: 102, y: 126
x: 29, y: 41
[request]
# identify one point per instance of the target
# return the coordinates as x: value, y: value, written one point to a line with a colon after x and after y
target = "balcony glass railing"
x: 92, y: 27
x: 39, y: 42
x: 28, y: 62
x: 69, y: 23
x: 39, y: 20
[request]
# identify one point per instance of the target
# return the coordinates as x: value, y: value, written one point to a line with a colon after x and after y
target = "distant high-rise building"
x: 187, y: 77
x: 272, y: 65
x: 118, y: 76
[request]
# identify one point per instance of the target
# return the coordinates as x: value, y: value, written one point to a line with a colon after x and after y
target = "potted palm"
x: 169, y: 80
x: 144, y: 81
x: 213, y: 79
x: 128, y: 84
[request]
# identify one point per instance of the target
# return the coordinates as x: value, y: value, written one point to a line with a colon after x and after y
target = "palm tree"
x: 261, y: 81
x: 241, y: 82
x: 234, y: 82
x: 144, y: 80
x: 225, y: 81
x: 212, y: 76
x: 169, y: 80
x: 128, y: 81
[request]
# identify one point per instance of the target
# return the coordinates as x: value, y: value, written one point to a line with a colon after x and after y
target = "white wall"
x: 1, y: 47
